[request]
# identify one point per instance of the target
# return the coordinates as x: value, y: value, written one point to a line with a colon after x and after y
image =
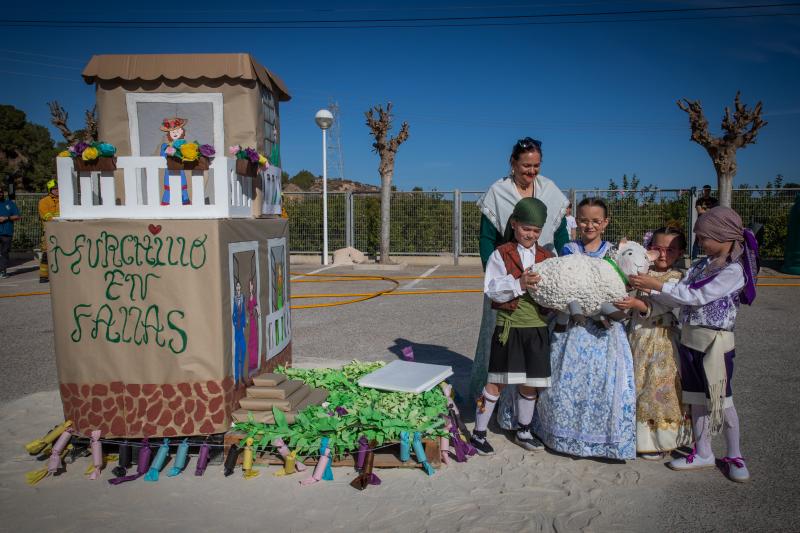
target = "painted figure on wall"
x: 239, y: 322
x: 174, y: 129
x: 278, y: 291
x: 252, y: 339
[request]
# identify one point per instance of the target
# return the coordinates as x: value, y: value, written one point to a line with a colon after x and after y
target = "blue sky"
x: 600, y: 96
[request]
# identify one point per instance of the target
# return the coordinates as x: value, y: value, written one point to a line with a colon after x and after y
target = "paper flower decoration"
x: 190, y: 152
x: 207, y: 150
x: 106, y: 149
x: 90, y: 154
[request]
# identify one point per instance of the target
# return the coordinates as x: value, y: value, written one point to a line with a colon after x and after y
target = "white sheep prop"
x: 578, y: 286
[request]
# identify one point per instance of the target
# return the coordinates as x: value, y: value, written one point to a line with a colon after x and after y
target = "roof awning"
x: 183, y: 66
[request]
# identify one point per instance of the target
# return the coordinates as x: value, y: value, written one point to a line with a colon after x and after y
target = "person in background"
x: 572, y: 226
x: 48, y: 210
x: 9, y: 213
x: 703, y: 204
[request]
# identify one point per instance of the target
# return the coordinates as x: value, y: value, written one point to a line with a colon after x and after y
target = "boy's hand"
x: 529, y: 279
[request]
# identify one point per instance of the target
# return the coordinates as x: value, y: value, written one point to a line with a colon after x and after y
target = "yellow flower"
x: 90, y: 154
x: 262, y: 161
x: 190, y: 152
x: 65, y: 153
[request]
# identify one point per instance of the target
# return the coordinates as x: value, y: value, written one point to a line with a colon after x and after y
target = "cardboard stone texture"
x: 266, y: 404
x: 406, y: 376
x: 315, y: 397
x: 280, y: 391
x: 268, y: 380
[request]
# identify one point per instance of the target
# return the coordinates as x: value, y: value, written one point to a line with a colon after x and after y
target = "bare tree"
x: 91, y: 124
x: 386, y: 148
x: 59, y: 116
x: 739, y: 130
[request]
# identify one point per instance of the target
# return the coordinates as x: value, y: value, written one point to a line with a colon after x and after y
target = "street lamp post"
x: 324, y: 119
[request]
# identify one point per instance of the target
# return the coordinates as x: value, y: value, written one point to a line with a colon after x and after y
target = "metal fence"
x: 448, y: 222
x: 28, y: 230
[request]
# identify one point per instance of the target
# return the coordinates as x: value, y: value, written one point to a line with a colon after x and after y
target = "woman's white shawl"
x: 499, y: 201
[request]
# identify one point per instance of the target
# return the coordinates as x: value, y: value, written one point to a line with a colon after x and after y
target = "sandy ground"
x: 513, y: 490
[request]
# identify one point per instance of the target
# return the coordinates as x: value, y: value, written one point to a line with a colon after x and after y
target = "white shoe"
x: 654, y: 456
x: 693, y: 461
x: 737, y: 470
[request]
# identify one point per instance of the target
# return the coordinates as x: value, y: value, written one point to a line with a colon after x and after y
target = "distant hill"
x: 334, y: 185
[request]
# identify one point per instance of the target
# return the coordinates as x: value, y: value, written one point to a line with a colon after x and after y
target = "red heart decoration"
x: 155, y: 230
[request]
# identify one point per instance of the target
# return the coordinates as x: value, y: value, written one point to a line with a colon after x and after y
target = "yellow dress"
x: 661, y: 424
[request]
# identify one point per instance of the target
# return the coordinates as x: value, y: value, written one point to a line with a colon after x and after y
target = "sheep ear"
x: 652, y: 255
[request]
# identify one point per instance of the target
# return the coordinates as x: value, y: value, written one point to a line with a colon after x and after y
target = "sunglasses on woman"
x: 528, y: 143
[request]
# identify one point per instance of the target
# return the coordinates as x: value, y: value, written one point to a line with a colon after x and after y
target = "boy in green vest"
x: 520, y: 353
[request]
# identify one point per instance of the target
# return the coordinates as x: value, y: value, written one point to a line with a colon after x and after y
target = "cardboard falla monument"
x: 169, y: 262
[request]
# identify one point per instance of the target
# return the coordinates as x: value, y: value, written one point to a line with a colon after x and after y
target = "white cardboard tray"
x: 406, y: 376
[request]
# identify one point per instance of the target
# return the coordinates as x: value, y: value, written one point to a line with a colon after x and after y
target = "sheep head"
x: 632, y: 257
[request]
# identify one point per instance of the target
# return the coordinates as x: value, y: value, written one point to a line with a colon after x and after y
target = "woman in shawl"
x: 496, y: 207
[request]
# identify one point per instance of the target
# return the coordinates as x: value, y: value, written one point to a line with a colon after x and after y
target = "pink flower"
x: 170, y: 150
x: 234, y: 149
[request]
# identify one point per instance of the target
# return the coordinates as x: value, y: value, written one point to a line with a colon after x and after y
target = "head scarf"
x: 723, y: 224
x: 527, y: 211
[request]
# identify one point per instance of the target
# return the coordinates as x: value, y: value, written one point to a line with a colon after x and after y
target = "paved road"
x: 443, y: 328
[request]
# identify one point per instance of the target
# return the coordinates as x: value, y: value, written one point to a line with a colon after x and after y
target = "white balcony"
x: 215, y: 193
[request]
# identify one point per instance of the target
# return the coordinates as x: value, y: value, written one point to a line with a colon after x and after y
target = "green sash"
x: 526, y: 315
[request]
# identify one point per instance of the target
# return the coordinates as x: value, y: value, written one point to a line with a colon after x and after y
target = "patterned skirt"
x: 661, y: 421
x: 590, y: 408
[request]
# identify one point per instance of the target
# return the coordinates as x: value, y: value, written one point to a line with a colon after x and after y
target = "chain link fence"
x: 27, y: 230
x: 633, y: 213
x: 448, y: 222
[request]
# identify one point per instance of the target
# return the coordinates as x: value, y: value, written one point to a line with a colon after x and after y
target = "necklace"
x: 520, y: 187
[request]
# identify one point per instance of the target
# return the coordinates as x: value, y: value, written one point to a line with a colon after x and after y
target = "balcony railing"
x: 215, y: 193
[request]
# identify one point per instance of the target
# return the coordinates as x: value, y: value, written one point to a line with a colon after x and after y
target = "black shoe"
x: 4, y: 275
x: 44, y: 280
x: 481, y: 444
x: 529, y: 441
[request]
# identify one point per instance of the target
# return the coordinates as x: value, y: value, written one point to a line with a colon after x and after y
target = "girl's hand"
x: 643, y: 282
x: 529, y: 279
x: 631, y: 303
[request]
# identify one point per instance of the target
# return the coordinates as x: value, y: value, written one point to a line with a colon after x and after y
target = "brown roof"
x: 182, y: 66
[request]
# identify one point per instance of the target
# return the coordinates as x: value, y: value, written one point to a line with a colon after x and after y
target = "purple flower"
x: 80, y: 147
x: 207, y: 150
x: 252, y: 155
x: 341, y: 411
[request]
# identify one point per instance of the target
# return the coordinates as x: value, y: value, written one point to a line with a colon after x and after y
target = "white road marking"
x: 424, y: 275
x: 314, y: 271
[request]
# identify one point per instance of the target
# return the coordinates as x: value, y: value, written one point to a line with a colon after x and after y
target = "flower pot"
x: 201, y: 163
x: 99, y: 164
x: 244, y: 167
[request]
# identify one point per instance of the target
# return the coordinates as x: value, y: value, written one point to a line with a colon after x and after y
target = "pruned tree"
x: 739, y: 130
x: 379, y: 121
x: 59, y: 116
